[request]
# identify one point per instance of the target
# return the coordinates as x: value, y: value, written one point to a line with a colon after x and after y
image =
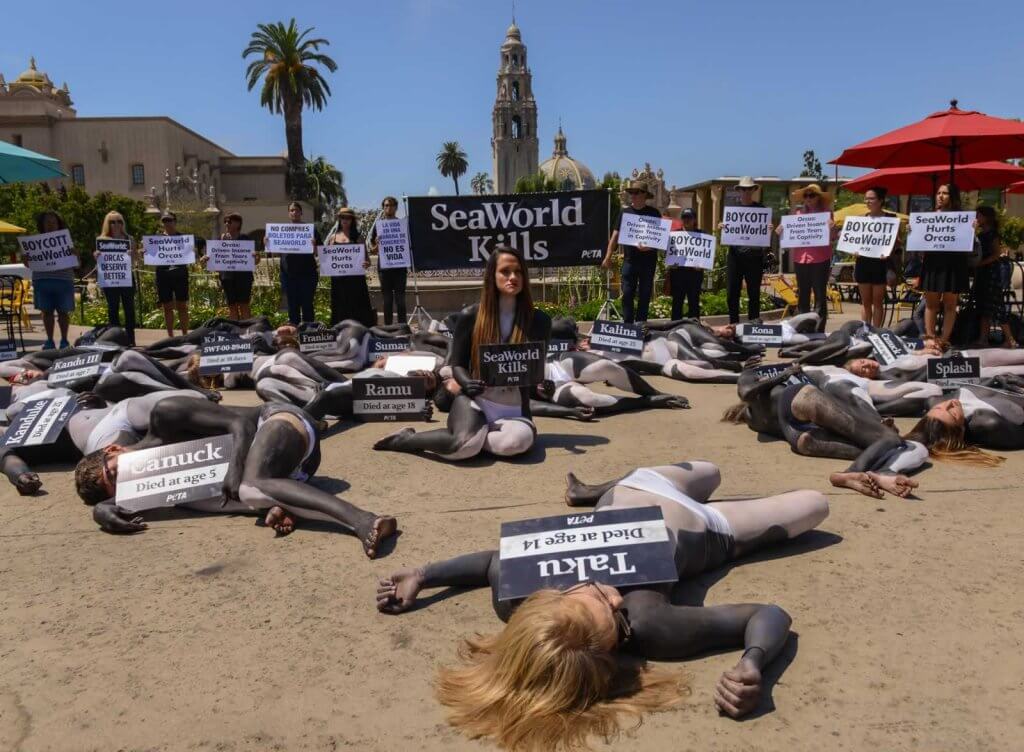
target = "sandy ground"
x: 206, y: 633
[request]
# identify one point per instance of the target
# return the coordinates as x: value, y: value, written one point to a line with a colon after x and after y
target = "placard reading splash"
x: 168, y: 250
x: 389, y: 399
x: 393, y: 244
x: 113, y: 262
x: 231, y: 255
x: 518, y: 364
x: 314, y: 340
x: 40, y: 422
x: 224, y: 355
x: 379, y: 347
x: 747, y: 226
x: 871, y: 237
x: 805, y: 230
x: 615, y: 336
x: 8, y: 349
x: 889, y: 347
x: 342, y: 260
x: 773, y: 370
x: 692, y: 249
x: 760, y: 334
x: 48, y: 252
x: 639, y: 229
x: 174, y: 474
x: 289, y: 238
x: 617, y: 547
x: 74, y: 367
x: 941, y: 231
x: 954, y: 371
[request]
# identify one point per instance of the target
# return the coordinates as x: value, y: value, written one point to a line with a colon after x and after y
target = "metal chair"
x: 12, y: 304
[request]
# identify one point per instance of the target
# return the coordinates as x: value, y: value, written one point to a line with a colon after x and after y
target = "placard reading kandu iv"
x: 747, y: 226
x: 519, y: 364
x: 389, y: 399
x: 941, y: 231
x: 615, y: 336
x: 641, y: 230
x: 174, y: 474
x: 343, y: 260
x: 954, y: 371
x: 871, y: 237
x: 113, y: 262
x: 691, y: 249
x: 48, y: 252
x: 74, y: 367
x: 231, y: 255
x: 168, y: 250
x: 617, y: 547
x: 805, y: 230
x: 393, y: 244
x: 225, y: 355
x: 40, y: 422
x: 289, y: 238
x: 760, y: 334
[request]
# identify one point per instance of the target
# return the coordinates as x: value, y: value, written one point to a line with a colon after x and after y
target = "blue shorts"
x: 54, y: 295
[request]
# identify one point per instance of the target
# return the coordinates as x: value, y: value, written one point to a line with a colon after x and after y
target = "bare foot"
x: 897, y: 485
x: 577, y: 493
x: 397, y: 593
x: 859, y: 482
x: 28, y: 483
x: 389, y: 441
x: 381, y: 529
x: 280, y: 520
x: 584, y: 413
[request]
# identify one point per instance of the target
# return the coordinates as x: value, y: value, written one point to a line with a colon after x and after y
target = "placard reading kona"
x: 74, y: 367
x: 225, y: 355
x: 389, y: 399
x: 40, y: 422
x: 175, y: 474
x: 518, y: 364
x: 954, y: 371
x: 615, y: 336
x: 760, y: 334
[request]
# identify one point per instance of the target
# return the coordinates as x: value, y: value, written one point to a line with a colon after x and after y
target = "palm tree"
x: 481, y: 184
x: 325, y: 186
x: 285, y: 61
x: 452, y: 162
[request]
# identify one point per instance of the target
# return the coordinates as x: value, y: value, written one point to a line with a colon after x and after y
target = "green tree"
x: 452, y: 162
x: 812, y: 167
x: 285, y: 61
x: 325, y: 186
x: 538, y: 183
x: 481, y: 184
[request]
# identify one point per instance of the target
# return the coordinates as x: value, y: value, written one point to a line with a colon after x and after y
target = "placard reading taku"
x: 805, y: 230
x: 49, y: 252
x: 289, y: 238
x: 871, y: 237
x: 518, y: 364
x: 314, y: 340
x: 568, y: 228
x: 615, y: 336
x: 168, y: 250
x: 113, y: 262
x: 889, y: 347
x: 692, y: 249
x: 393, y: 244
x: 342, y: 260
x: 174, y: 474
x: 74, y: 367
x: 389, y: 399
x: 760, y: 334
x: 639, y: 229
x: 617, y: 547
x: 941, y: 231
x: 40, y: 422
x: 747, y: 226
x: 225, y: 355
x: 231, y: 255
x: 381, y: 346
x: 954, y: 371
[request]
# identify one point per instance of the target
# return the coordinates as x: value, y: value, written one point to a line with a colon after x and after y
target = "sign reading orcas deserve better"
x: 518, y: 364
x: 761, y: 334
x: 389, y: 399
x: 889, y: 347
x: 617, y: 547
x: 74, y: 367
x: 954, y: 371
x: 40, y: 422
x: 314, y: 340
x: 170, y: 475
x: 615, y: 336
x: 381, y: 347
x: 225, y: 355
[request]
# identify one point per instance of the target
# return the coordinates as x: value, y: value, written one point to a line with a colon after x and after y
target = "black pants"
x: 813, y: 278
x: 299, y: 291
x: 739, y: 268
x: 392, y: 292
x: 117, y: 297
x: 685, y: 284
x: 638, y: 276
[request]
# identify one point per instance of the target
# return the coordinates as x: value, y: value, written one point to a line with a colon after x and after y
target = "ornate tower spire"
x: 514, y: 145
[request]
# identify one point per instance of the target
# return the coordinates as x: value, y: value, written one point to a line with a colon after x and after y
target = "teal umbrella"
x: 19, y: 165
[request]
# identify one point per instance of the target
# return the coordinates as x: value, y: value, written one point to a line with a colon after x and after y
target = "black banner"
x: 314, y: 340
x: 615, y: 336
x: 5, y: 396
x: 174, y: 474
x: 376, y: 399
x: 381, y: 347
x: 519, y: 364
x: 40, y: 422
x: 568, y: 228
x: 225, y: 355
x: 74, y: 367
x: 954, y: 371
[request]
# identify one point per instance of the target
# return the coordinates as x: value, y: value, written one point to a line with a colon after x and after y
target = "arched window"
x: 515, y: 60
x: 506, y: 58
x: 515, y: 91
x: 517, y: 127
x: 504, y: 91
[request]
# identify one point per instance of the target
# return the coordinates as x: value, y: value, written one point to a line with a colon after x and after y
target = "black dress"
x: 988, y: 281
x: 350, y: 296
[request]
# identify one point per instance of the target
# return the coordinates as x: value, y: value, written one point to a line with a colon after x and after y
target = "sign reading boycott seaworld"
x: 175, y: 474
x: 568, y: 228
x: 49, y: 252
x: 871, y: 237
x: 747, y: 226
x: 692, y: 249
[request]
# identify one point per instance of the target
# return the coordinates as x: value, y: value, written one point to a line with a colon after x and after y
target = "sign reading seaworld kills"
x: 519, y: 364
x: 174, y: 474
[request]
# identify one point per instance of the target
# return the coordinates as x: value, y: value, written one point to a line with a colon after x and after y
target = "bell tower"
x: 514, y: 145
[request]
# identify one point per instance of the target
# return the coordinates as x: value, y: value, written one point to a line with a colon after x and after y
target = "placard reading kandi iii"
x: 941, y: 231
x: 174, y: 474
x: 74, y: 367
x: 747, y: 226
x: 518, y: 364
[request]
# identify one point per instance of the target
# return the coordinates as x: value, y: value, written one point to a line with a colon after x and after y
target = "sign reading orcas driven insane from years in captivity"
x: 615, y: 336
x: 954, y: 371
x: 761, y: 334
x: 617, y: 547
x: 225, y: 355
x: 40, y: 422
x: 170, y: 475
x: 517, y: 364
x: 568, y: 228
x: 389, y: 399
x: 74, y: 367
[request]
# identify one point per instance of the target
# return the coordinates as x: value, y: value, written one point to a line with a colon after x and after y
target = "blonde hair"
x: 105, y: 230
x: 946, y: 441
x: 548, y: 680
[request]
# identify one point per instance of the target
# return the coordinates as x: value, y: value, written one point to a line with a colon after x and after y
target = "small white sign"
x: 113, y: 269
x: 231, y: 255
x: 393, y: 243
x: 289, y: 238
x: 805, y: 230
x: 49, y: 252
x: 169, y: 250
x: 693, y: 249
x: 639, y: 229
x: 747, y: 226
x: 941, y: 231
x: 760, y: 334
x: 342, y: 260
x: 871, y: 237
x: 405, y: 364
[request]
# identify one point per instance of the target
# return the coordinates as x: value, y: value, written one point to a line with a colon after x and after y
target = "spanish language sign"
x: 175, y: 474
x: 941, y: 231
x: 342, y: 260
x: 113, y: 262
x: 517, y: 364
x: 954, y: 371
x: 805, y: 230
x: 289, y: 238
x: 40, y: 422
x: 760, y: 334
x: 615, y: 336
x: 49, y: 252
x: 691, y: 249
x: 389, y: 399
x: 168, y: 250
x: 871, y: 237
x: 889, y: 347
x: 74, y: 367
x: 617, y: 547
x: 231, y: 255
x: 747, y: 226
x: 393, y: 244
x: 641, y: 230
x: 225, y: 355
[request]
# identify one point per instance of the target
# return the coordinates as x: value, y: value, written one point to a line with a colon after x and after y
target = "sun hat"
x: 638, y: 186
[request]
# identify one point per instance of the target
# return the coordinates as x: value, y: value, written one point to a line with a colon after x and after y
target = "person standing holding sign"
x: 392, y: 281
x: 945, y: 274
x: 117, y: 295
x: 813, y: 264
x: 172, y: 283
x: 350, y: 297
x: 299, y: 275
x: 640, y: 262
x: 237, y: 286
x: 871, y: 274
x: 745, y: 263
x: 54, y: 291
x: 686, y: 282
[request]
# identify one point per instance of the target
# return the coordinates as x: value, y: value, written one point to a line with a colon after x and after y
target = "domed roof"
x: 565, y: 170
x: 33, y: 77
x: 512, y: 37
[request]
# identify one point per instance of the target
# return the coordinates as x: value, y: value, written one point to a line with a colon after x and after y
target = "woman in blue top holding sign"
x: 945, y: 275
x: 54, y: 290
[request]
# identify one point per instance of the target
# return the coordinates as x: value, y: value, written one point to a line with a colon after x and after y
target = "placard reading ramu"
x: 40, y: 422
x: 617, y: 547
x: 773, y: 370
x: 314, y: 340
x: 519, y: 364
x: 225, y: 355
x: 760, y: 334
x: 641, y: 230
x: 174, y: 474
x: 289, y: 238
x: 381, y: 346
x: 48, y: 252
x: 393, y: 244
x: 889, y: 347
x: 389, y: 399
x: 691, y: 249
x: 615, y: 336
x: 954, y: 371
x: 168, y: 250
x: 113, y: 262
x: 747, y: 226
x: 941, y: 231
x: 871, y: 237
x: 74, y: 367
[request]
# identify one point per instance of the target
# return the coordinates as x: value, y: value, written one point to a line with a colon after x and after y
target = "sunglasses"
x: 621, y: 622
x: 168, y: 221
x: 117, y: 221
x: 811, y: 195
x: 746, y: 189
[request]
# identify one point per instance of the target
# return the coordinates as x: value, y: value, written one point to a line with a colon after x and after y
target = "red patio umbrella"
x: 1015, y: 188
x: 904, y: 181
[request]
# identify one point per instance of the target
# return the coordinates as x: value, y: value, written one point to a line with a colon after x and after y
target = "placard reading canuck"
x: 167, y: 476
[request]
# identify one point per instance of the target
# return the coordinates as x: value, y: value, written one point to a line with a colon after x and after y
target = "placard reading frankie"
x: 889, y: 347
x: 691, y: 249
x: 747, y: 226
x: 871, y: 237
x: 168, y: 250
x: 314, y: 340
x: 231, y: 255
x: 113, y: 262
x: 389, y: 399
x: 954, y: 371
x: 40, y: 422
x: 617, y: 547
x: 48, y: 252
x: 381, y: 346
x: 639, y: 229
x: 615, y: 336
x: 74, y: 367
x: 289, y: 238
x: 225, y: 355
x: 760, y: 334
x: 393, y: 244
x: 805, y: 230
x: 342, y: 260
x: 518, y: 364
x: 941, y: 231
x: 175, y: 474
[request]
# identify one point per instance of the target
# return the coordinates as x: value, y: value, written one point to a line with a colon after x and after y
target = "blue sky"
x: 699, y: 89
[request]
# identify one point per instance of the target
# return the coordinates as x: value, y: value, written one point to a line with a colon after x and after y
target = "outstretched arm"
x: 19, y: 474
x: 750, y: 386
x: 398, y: 592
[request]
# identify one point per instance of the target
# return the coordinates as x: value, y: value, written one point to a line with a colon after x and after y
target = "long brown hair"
x: 548, y: 681
x: 487, y: 330
x: 947, y: 441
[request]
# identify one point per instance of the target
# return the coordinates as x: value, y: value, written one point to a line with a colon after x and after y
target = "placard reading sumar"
x: 614, y: 336
x: 389, y: 399
x: 175, y: 474
x: 519, y: 364
x: 954, y: 371
x: 616, y: 547
x: 225, y: 355
x: 381, y: 346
